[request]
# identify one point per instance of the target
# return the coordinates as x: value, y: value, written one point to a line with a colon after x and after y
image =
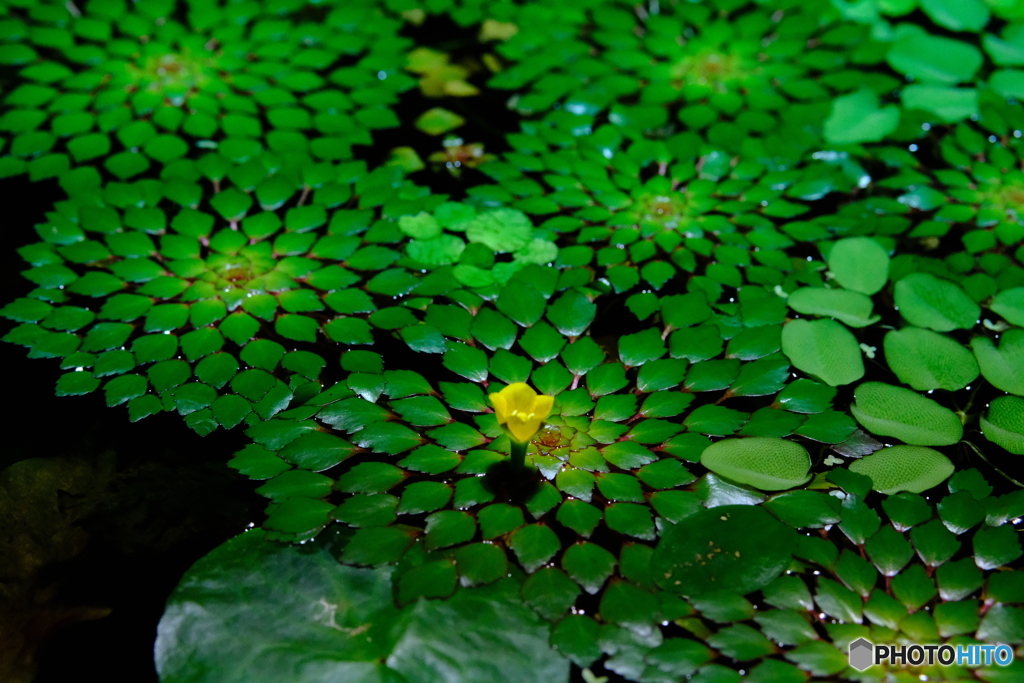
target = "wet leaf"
x: 765, y: 463
x: 823, y: 348
x: 857, y: 118
x: 1002, y: 366
x: 928, y: 360
x: 894, y: 411
x: 851, y: 308
x: 904, y: 468
x: 740, y: 547
x: 1004, y: 423
x: 927, y: 301
x: 859, y: 264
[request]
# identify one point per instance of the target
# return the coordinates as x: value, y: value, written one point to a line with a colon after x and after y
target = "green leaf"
x: 627, y: 604
x: 889, y: 550
x: 806, y: 396
x: 860, y: 264
x: 913, y: 587
x: 1009, y: 303
x: 948, y: 104
x: 467, y: 361
x: 572, y: 313
x: 550, y: 592
x: 1003, y: 367
x: 684, y: 310
x: 437, y: 121
x: 317, y: 451
x: 838, y: 601
x: 764, y: 463
x: 1004, y: 423
x: 1002, y: 624
x: 715, y: 420
x: 857, y: 118
x: 409, y: 640
x: 957, y: 15
x: 761, y: 377
x: 579, y: 516
x: 575, y: 636
x: 481, y: 563
x: 904, y: 468
x: 370, y: 477
x: 927, y: 301
x: 428, y: 580
x: 448, y: 527
x: 960, y: 511
x: 521, y: 302
x: 741, y: 642
x: 905, y: 414
x: 77, y: 383
x: 928, y: 360
x: 739, y: 547
x: 823, y: 348
x: 500, y: 230
x: 996, y: 547
x: 934, y: 543
x: 805, y: 509
x: 851, y: 308
x: 534, y: 545
x: 785, y: 626
x: 712, y: 375
x: 906, y: 510
x: 424, y: 496
x: 934, y: 59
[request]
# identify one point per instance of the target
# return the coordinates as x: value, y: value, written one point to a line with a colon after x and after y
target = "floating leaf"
x: 1004, y: 423
x: 927, y: 301
x: 904, y: 468
x: 859, y: 264
x: 905, y: 414
x: 928, y: 360
x: 823, y: 348
x: 852, y: 308
x: 857, y: 118
x: 1009, y: 303
x: 764, y: 463
x: 933, y: 59
x: 437, y: 121
x: 1003, y: 367
x: 736, y: 547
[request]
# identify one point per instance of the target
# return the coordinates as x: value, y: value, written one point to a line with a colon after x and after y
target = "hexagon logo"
x: 862, y: 654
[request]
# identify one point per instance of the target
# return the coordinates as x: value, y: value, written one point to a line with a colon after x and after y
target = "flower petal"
x: 500, y: 406
x: 523, y: 430
x: 520, y: 396
x: 542, y: 406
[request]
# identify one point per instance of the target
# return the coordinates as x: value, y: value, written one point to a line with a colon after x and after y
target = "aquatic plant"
x: 756, y: 268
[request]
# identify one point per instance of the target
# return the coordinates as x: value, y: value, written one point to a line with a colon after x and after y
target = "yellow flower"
x: 521, y: 409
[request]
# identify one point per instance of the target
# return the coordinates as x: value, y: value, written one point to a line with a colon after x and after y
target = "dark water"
x: 142, y: 502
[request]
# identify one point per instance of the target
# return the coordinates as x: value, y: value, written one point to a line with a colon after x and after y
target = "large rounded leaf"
x: 1004, y: 424
x: 1002, y: 366
x: 907, y: 415
x: 928, y: 360
x: 255, y: 611
x: 739, y: 548
x: 853, y: 308
x: 860, y: 264
x: 765, y: 463
x: 825, y: 349
x: 1009, y: 303
x: 904, y: 468
x: 927, y: 301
